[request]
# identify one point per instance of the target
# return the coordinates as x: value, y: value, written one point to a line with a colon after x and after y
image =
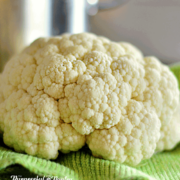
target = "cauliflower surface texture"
x: 62, y: 92
x: 170, y: 134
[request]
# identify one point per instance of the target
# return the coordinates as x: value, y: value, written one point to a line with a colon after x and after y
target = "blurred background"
x: 153, y: 26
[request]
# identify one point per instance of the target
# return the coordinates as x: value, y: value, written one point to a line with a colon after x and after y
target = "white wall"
x: 151, y: 25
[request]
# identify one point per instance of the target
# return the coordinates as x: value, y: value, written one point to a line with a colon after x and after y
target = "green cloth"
x: 81, y: 165
x: 176, y: 70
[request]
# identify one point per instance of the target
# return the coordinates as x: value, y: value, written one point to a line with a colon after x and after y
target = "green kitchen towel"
x: 176, y: 70
x: 81, y: 165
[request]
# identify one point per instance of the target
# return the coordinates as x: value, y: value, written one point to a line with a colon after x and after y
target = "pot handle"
x: 111, y: 5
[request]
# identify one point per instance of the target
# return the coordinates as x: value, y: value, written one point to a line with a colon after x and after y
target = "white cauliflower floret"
x: 60, y: 90
x: 69, y: 138
x: 133, y: 51
x: 170, y: 134
x: 55, y: 72
x: 91, y: 104
x: 127, y: 69
x: 97, y: 62
x: 18, y: 74
x: 161, y: 90
x: 40, y: 43
x: 32, y: 125
x: 133, y: 139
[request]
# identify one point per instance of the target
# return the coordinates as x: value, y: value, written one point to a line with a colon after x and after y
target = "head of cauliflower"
x: 62, y: 92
